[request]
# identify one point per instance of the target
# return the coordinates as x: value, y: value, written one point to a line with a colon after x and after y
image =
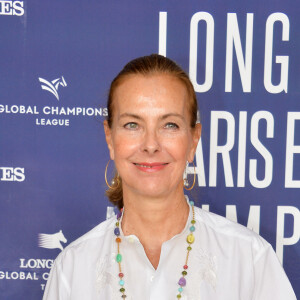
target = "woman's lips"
x: 150, y: 167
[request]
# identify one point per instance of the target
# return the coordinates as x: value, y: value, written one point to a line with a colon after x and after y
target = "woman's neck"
x: 154, y: 220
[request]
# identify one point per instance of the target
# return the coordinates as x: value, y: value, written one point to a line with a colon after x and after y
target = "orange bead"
x: 118, y: 240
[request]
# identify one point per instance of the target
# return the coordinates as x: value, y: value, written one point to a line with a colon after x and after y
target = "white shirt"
x: 227, y: 262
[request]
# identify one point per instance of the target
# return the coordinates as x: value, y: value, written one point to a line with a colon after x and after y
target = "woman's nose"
x: 151, y: 143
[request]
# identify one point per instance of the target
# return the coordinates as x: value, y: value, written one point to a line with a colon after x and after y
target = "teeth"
x: 149, y: 167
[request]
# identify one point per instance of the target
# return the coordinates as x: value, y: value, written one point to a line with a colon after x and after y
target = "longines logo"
x: 12, y: 8
x: 36, y: 268
x: 52, y: 86
x: 12, y: 174
x: 52, y: 241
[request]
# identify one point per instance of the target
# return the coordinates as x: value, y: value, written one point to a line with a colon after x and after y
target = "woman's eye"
x: 172, y: 126
x: 131, y: 125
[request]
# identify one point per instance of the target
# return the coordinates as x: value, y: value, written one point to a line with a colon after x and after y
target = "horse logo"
x: 52, y: 86
x: 52, y: 241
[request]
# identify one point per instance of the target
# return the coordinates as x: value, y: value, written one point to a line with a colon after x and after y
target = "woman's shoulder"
x: 232, y: 231
x: 94, y: 239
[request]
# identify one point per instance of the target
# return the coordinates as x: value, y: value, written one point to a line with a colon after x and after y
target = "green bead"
x: 119, y: 258
x: 122, y: 290
x: 117, y: 224
x: 184, y: 273
x: 189, y: 248
x: 193, y: 221
x: 178, y: 296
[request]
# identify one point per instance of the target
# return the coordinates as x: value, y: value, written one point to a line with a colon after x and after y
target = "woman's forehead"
x: 153, y: 92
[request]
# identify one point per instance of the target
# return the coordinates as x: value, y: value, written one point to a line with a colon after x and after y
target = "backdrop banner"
x: 57, y: 61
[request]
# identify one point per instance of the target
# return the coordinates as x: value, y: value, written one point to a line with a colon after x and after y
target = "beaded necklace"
x: 190, y: 240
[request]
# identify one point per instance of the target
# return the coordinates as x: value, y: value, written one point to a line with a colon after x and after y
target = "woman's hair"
x: 146, y: 66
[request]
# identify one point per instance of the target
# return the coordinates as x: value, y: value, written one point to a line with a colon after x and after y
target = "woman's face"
x: 151, y: 139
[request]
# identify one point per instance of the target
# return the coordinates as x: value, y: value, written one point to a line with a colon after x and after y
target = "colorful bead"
x: 119, y: 258
x: 190, y: 238
x: 117, y: 231
x: 192, y: 228
x: 121, y: 282
x: 182, y: 281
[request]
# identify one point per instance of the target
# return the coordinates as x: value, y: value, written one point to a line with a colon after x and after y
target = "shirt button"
x: 131, y: 239
x: 151, y: 278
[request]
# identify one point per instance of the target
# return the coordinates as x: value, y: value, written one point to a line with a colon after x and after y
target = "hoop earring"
x: 113, y: 181
x: 186, y: 183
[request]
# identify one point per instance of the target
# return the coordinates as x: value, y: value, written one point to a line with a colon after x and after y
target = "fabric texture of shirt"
x: 227, y: 261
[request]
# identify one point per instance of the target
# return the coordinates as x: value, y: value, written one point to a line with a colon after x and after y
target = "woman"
x: 161, y: 247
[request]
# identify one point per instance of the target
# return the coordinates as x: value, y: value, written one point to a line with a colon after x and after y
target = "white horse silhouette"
x: 52, y: 241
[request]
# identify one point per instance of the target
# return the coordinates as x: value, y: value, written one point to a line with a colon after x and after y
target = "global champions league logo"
x: 52, y: 86
x: 51, y: 241
x: 53, y: 115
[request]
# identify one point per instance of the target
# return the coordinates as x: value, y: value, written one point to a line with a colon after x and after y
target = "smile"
x: 150, y: 167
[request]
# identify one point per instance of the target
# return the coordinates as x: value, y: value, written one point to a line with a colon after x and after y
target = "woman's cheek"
x: 125, y: 144
x: 178, y: 145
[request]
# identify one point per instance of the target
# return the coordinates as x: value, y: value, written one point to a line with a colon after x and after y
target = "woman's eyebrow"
x: 172, y: 115
x: 163, y: 117
x: 126, y: 115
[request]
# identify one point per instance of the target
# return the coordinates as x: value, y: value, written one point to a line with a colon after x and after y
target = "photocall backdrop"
x: 57, y: 61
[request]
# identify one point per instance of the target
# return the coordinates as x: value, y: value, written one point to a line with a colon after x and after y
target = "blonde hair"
x: 146, y: 65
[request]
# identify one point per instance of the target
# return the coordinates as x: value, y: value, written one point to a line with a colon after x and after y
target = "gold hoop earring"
x: 105, y: 176
x: 188, y: 189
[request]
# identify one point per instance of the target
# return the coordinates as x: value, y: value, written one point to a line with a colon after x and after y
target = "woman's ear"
x: 196, y: 135
x: 108, y: 137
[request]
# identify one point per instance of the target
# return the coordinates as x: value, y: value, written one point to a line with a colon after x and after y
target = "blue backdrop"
x: 57, y: 61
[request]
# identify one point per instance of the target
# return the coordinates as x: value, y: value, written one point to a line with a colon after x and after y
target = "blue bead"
x: 180, y: 289
x: 192, y: 203
x: 117, y: 231
x: 192, y: 228
x: 121, y: 282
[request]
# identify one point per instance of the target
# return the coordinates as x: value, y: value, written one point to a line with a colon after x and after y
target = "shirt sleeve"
x: 271, y: 281
x: 57, y: 287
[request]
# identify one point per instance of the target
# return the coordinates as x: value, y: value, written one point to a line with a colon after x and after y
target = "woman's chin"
x: 152, y: 189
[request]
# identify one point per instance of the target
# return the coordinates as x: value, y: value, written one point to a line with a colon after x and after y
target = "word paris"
x: 233, y: 42
x: 233, y: 149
